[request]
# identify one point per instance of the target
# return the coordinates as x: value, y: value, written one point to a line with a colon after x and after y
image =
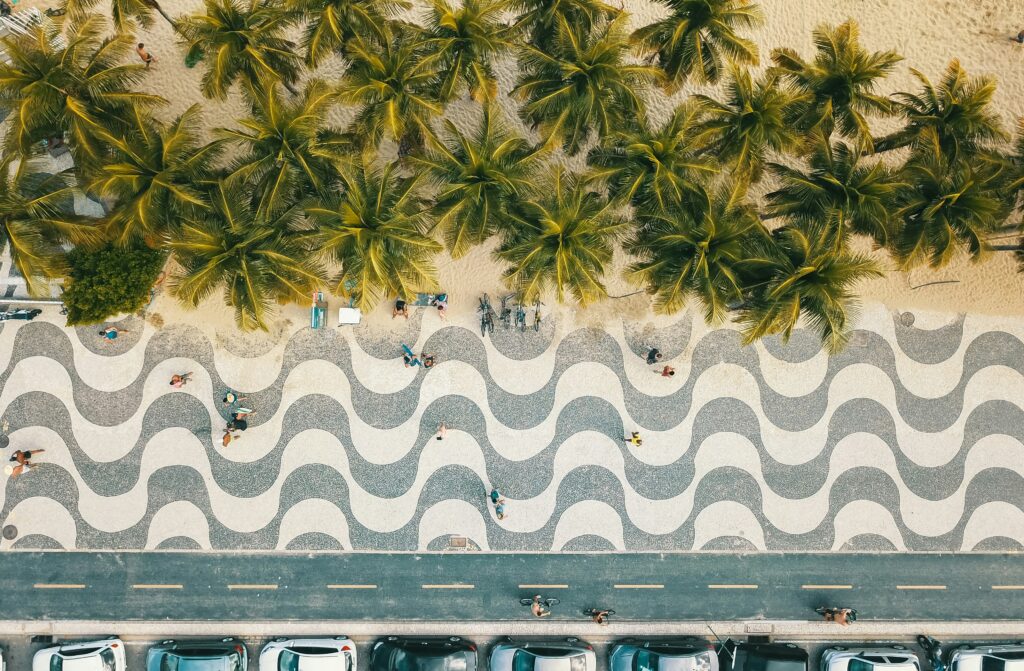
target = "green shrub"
x: 109, y: 281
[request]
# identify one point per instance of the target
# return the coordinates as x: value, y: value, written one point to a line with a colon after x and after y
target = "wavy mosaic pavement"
x: 913, y: 438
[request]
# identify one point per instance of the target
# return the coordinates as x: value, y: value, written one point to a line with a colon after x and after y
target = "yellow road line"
x: 543, y: 587
x: 826, y: 586
x: 1007, y: 586
x: 449, y: 586
x: 252, y: 586
x: 145, y: 586
x: 732, y: 586
x: 351, y: 587
x: 639, y: 586
x: 921, y: 587
x: 55, y: 585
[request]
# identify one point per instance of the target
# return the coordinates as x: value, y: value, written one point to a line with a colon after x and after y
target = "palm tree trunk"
x: 167, y: 17
x: 1007, y: 248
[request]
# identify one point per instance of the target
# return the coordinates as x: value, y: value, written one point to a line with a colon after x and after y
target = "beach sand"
x: 928, y: 33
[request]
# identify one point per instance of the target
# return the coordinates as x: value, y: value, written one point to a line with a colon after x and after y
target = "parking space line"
x: 252, y: 586
x: 543, y: 587
x: 826, y: 586
x: 921, y: 587
x: 55, y: 585
x: 1007, y: 586
x: 732, y: 586
x: 449, y: 586
x: 351, y: 587
x: 652, y: 586
x: 145, y: 586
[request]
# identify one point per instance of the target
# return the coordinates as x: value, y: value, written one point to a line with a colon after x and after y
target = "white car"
x: 105, y: 655
x: 893, y: 658
x: 309, y: 654
x: 987, y: 658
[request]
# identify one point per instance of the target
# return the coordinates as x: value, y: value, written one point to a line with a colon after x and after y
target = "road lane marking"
x: 543, y: 587
x: 921, y: 587
x: 351, y: 587
x: 826, y: 586
x: 1007, y: 586
x: 55, y: 585
x: 145, y: 586
x: 449, y: 586
x: 246, y: 586
x: 639, y: 586
x: 732, y: 586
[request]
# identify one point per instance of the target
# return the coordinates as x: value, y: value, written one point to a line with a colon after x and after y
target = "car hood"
x: 91, y: 663
x: 321, y: 663
x: 207, y: 664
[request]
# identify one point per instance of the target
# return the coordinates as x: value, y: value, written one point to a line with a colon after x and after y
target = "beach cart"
x: 318, y: 313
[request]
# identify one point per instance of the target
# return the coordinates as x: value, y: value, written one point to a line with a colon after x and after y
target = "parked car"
x: 306, y: 654
x: 735, y: 656
x: 893, y: 658
x: 987, y: 658
x: 226, y: 654
x: 105, y: 655
x: 568, y: 654
x: 423, y: 654
x: 691, y: 654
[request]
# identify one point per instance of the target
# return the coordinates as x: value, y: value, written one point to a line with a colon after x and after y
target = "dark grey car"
x: 227, y: 654
x: 423, y: 654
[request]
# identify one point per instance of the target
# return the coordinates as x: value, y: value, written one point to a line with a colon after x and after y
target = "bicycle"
x: 830, y: 614
x: 599, y: 615
x: 506, y: 312
x: 547, y: 602
x: 536, y: 315
x: 520, y: 316
x: 486, y: 316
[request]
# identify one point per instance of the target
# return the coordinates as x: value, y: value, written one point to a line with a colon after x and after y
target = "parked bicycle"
x: 536, y: 315
x: 520, y: 315
x: 506, y: 312
x: 486, y: 316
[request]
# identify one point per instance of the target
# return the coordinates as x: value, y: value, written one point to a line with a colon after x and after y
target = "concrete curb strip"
x: 776, y: 629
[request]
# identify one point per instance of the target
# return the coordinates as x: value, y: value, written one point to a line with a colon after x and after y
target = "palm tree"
x: 582, y: 82
x: 392, y: 86
x: 376, y: 231
x: 476, y: 176
x: 658, y: 168
x: 541, y: 18
x: 152, y: 177
x: 804, y: 271
x: 754, y: 119
x: 840, y: 80
x: 952, y: 120
x: 83, y: 90
x: 696, y: 252
x: 948, y: 206
x: 288, y: 151
x: 37, y: 219
x: 241, y: 39
x: 468, y: 39
x: 124, y: 13
x: 257, y: 258
x: 331, y: 23
x: 697, y: 37
x: 863, y: 197
x: 564, y: 241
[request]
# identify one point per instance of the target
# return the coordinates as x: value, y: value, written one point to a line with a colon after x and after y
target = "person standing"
x: 146, y: 57
x: 653, y: 356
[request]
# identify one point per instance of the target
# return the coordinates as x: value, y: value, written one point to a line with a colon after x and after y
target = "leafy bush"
x: 109, y: 281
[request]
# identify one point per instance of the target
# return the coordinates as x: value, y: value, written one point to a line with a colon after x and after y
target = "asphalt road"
x: 477, y: 587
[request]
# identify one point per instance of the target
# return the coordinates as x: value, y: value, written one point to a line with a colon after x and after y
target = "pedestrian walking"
x: 634, y: 438
x: 112, y: 332
x: 538, y: 608
x: 24, y: 460
x: 499, y: 510
x: 228, y: 437
x: 653, y: 356
x: 428, y: 360
x: 495, y: 496
x: 1019, y: 39
x: 146, y: 57
x: 230, y: 398
x: 668, y: 371
x: 409, y: 358
x: 401, y: 308
x: 441, y: 303
x: 442, y: 431
x: 179, y: 381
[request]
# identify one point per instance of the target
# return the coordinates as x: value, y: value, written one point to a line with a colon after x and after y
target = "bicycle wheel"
x: 526, y: 602
x: 552, y: 602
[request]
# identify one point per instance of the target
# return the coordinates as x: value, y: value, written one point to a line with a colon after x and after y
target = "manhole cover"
x: 10, y: 532
x: 907, y: 318
x: 5, y: 440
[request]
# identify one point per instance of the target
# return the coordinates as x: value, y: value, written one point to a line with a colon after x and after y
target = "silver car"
x: 105, y: 655
x: 568, y: 654
x: 987, y: 658
x: 893, y: 658
x: 681, y: 655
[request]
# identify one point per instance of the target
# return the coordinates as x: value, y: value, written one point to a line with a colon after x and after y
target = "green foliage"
x: 655, y: 168
x: 541, y: 19
x: 83, y: 90
x: 109, y: 281
x: 257, y: 257
x: 376, y: 231
x: 698, y: 37
x: 152, y: 177
x: 331, y: 23
x: 241, y: 39
x: 124, y: 13
x: 582, y: 82
x: 840, y: 80
x: 476, y: 177
x: 468, y: 39
x: 564, y: 241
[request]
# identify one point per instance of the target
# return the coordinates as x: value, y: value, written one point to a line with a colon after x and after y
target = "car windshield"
x: 201, y: 660
x: 522, y: 661
x: 107, y: 659
x: 857, y: 664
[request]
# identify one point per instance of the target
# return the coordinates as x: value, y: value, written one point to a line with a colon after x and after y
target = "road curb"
x: 777, y: 629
